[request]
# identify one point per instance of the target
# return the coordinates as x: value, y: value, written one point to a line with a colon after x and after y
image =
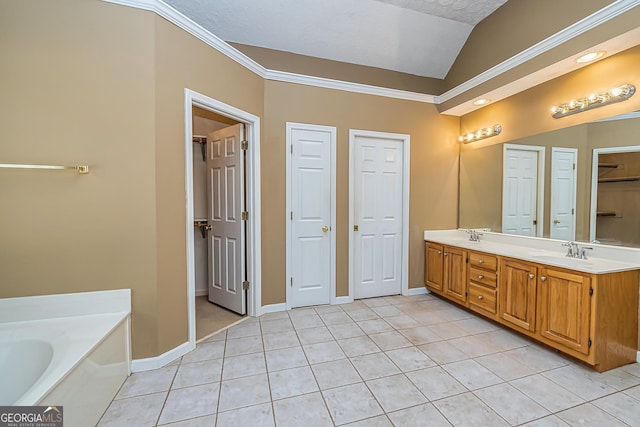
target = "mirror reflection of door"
x: 616, y: 196
x: 523, y: 170
x: 563, y: 193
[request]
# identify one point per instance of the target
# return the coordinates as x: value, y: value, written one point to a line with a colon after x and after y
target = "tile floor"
x: 390, y: 361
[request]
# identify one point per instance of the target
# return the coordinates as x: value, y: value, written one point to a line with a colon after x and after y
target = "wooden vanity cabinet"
x: 518, y: 292
x: 483, y: 283
x: 445, y: 271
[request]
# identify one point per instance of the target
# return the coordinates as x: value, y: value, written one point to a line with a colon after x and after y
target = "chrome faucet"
x: 576, y: 251
x: 474, y: 236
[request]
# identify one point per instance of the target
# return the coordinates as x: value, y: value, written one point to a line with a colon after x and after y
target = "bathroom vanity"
x: 586, y: 308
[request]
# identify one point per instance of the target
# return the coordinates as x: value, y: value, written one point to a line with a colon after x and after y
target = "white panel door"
x: 520, y: 192
x: 310, y: 254
x: 377, y: 252
x: 225, y: 185
x: 563, y: 193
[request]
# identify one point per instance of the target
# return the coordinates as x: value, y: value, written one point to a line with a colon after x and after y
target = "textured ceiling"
x: 421, y: 37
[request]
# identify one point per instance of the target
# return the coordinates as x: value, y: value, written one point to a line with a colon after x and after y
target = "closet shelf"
x: 606, y: 213
x: 620, y: 179
x: 608, y: 165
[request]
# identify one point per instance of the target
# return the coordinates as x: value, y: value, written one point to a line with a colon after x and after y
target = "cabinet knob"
x: 543, y: 278
x: 480, y: 261
x: 445, y: 254
x: 439, y: 252
x: 531, y: 276
x: 480, y: 277
x: 480, y: 297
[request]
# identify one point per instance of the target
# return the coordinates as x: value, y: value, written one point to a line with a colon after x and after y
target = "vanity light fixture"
x: 480, y: 134
x: 481, y: 101
x: 591, y: 56
x: 616, y: 94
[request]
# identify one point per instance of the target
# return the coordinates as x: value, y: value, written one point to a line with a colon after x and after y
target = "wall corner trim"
x: 273, y: 308
x: 416, y: 291
x: 342, y: 300
x: 150, y: 363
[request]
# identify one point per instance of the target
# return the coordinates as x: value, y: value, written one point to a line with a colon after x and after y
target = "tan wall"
x: 75, y: 91
x: 434, y: 169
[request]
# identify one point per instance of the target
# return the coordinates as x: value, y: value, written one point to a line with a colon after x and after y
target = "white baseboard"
x: 273, y: 308
x: 638, y: 356
x: 149, y: 363
x: 416, y: 291
x: 342, y: 300
x: 202, y: 292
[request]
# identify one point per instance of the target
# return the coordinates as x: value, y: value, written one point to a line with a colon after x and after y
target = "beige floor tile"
x: 376, y: 302
x: 505, y: 366
x: 323, y: 309
x: 510, y: 404
x: 363, y: 314
x: 402, y: 322
x: 379, y: 421
x: 584, y: 382
x: 190, y: 402
x: 140, y: 383
x: 244, y: 329
x: 547, y: 393
x: 436, y: 383
x: 386, y: 311
x: 633, y: 392
x: 323, y: 352
x: 395, y: 392
x: 206, y: 421
x: 280, y: 340
x: 274, y: 316
x: 410, y: 359
x: 205, y: 351
x: 242, y: 392
x: 589, y: 415
x: 473, y: 345
x: 358, y: 346
x: 550, y: 421
x: 453, y: 313
x: 335, y: 318
x: 314, y: 335
x: 443, y: 352
x: 190, y: 374
x: 372, y: 366
x: 276, y: 326
x: 427, y: 317
x: 254, y: 416
x: 425, y: 415
x: 538, y: 358
x: 390, y: 340
x: 285, y: 358
x: 476, y: 325
x: 374, y: 326
x: 306, y: 322
x: 471, y: 374
x: 448, y: 330
x: 308, y: 410
x: 345, y: 330
x: 621, y: 406
x: 138, y: 410
x: 421, y: 335
x: 292, y: 382
x: 302, y: 312
x: 467, y: 410
x: 242, y: 366
x: 504, y: 339
x: 351, y: 403
x: 240, y: 346
x: 335, y: 374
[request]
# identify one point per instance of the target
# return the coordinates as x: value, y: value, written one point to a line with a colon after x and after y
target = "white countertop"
x: 600, y: 260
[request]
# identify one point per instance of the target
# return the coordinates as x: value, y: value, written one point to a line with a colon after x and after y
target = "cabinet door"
x: 434, y: 274
x: 455, y: 273
x: 565, y: 308
x: 518, y: 294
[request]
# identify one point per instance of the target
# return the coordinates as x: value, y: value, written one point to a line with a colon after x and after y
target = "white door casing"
x: 311, y: 214
x: 379, y: 210
x: 523, y: 190
x: 225, y: 189
x: 563, y: 193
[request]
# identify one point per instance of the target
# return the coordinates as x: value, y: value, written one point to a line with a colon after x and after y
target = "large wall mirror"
x: 565, y: 162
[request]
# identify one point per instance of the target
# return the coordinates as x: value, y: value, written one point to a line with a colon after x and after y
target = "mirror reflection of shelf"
x: 606, y: 213
x: 620, y: 179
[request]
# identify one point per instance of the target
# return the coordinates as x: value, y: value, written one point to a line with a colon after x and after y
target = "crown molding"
x: 172, y: 15
x: 597, y: 18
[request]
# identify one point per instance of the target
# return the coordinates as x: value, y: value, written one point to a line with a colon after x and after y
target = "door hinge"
x: 589, y: 342
x: 574, y: 166
x: 245, y: 216
x: 244, y: 145
x: 535, y: 222
x: 245, y: 285
x: 573, y: 211
x: 291, y: 282
x: 291, y: 148
x: 590, y: 292
x: 291, y: 215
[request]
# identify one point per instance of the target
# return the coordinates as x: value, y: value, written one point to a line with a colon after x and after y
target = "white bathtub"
x: 78, y: 361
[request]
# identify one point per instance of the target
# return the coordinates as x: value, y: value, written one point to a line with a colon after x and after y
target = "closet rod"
x: 82, y: 169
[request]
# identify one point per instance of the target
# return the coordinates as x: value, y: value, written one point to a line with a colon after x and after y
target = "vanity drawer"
x: 486, y: 277
x: 478, y: 259
x: 482, y: 298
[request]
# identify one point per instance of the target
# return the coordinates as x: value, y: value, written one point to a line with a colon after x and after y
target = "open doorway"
x: 204, y: 119
x: 211, y: 314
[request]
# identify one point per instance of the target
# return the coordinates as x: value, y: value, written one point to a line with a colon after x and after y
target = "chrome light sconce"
x: 480, y: 134
x: 613, y: 95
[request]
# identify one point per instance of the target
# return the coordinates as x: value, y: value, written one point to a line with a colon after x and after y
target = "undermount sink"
x: 561, y: 259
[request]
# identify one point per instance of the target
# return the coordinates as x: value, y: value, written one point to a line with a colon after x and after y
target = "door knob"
x: 556, y: 221
x: 325, y: 228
